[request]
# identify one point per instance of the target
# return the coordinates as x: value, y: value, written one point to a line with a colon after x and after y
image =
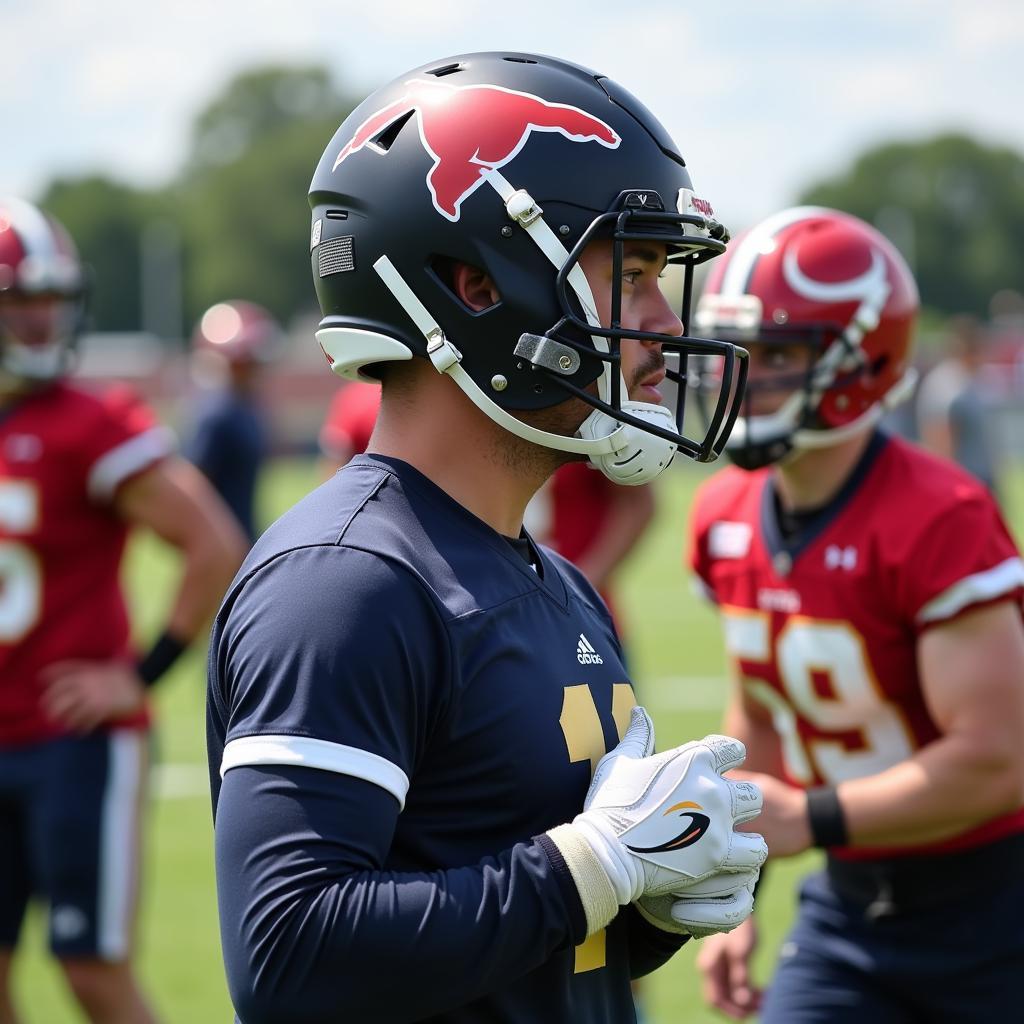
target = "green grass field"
x: 678, y: 666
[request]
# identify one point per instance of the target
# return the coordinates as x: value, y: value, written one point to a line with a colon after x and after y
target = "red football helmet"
x: 828, y: 281
x: 42, y: 294
x: 239, y: 331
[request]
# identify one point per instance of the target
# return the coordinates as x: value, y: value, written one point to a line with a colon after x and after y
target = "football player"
x: 408, y: 697
x: 77, y: 469
x: 231, y: 346
x: 870, y: 596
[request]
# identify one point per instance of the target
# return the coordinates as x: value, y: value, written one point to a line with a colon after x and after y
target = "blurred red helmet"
x: 42, y: 293
x: 239, y: 331
x: 828, y: 280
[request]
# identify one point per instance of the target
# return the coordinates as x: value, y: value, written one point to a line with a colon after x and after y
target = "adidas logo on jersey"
x: 586, y: 654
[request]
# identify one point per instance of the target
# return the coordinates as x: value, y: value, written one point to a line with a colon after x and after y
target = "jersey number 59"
x: 868, y: 733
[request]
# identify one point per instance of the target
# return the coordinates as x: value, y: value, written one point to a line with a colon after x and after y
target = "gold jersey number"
x: 584, y: 740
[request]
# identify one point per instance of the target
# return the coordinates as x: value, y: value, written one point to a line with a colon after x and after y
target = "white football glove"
x: 700, y: 915
x: 662, y: 825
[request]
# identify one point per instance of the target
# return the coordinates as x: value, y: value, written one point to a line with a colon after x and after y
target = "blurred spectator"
x: 953, y: 409
x: 228, y: 442
x: 78, y: 469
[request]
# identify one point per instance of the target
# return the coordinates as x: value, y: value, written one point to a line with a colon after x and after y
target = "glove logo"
x: 696, y: 825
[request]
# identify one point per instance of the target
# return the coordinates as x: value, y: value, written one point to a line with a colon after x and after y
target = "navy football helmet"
x: 513, y: 163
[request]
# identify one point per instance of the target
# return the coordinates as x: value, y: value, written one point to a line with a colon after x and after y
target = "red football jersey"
x: 350, y: 420
x: 63, y: 454
x: 824, y: 635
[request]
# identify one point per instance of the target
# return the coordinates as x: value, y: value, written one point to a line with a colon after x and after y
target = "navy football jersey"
x: 434, y: 702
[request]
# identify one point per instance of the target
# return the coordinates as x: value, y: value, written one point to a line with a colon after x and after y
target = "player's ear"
x: 474, y: 286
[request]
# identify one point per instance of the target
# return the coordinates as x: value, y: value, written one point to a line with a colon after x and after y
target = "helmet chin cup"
x: 643, y: 456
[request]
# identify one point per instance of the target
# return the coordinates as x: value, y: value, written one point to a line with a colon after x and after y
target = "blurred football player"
x: 348, y: 425
x: 231, y: 346
x: 77, y: 469
x: 870, y: 596
x: 408, y: 697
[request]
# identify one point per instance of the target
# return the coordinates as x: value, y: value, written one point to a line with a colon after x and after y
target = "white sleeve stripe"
x: 982, y: 586
x: 313, y: 753
x: 116, y: 465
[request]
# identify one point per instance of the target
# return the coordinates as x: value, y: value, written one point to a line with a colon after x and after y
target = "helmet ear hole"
x: 469, y: 286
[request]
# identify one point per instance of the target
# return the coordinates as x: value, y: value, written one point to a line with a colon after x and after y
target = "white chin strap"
x: 624, y: 453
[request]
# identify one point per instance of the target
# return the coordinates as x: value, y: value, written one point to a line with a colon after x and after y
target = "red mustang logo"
x: 471, y: 129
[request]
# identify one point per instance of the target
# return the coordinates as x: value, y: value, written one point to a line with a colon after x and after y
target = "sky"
x: 762, y: 98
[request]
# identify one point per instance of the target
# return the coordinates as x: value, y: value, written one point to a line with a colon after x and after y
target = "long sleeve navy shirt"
x: 399, y: 707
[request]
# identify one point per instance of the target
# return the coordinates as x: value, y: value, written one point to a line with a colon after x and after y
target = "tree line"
x: 235, y: 218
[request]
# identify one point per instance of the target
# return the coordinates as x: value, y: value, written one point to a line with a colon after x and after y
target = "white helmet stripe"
x: 869, y: 285
x: 756, y: 243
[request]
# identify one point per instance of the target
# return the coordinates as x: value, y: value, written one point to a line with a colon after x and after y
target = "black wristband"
x: 160, y: 657
x: 825, y: 813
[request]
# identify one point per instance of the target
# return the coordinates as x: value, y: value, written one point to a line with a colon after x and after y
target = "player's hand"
x: 724, y: 965
x: 783, y: 819
x: 81, y: 695
x: 701, y: 915
x: 696, y: 914
x: 662, y: 823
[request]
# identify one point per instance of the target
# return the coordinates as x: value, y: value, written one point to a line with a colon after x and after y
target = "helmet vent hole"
x: 337, y: 215
x: 519, y: 60
x: 448, y: 69
x: 386, y: 139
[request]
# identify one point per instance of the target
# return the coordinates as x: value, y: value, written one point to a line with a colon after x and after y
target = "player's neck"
x: 813, y: 476
x: 463, y: 452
